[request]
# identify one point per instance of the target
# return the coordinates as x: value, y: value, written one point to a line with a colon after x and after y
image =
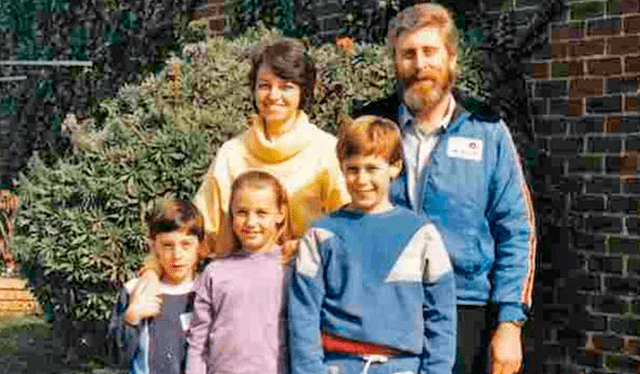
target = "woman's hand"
x: 146, y: 299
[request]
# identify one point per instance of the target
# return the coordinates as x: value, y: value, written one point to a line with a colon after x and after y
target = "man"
x: 462, y: 171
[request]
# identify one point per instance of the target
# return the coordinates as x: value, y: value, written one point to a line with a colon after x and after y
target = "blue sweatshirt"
x: 380, y: 278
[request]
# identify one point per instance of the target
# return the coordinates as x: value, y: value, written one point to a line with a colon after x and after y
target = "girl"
x: 237, y: 326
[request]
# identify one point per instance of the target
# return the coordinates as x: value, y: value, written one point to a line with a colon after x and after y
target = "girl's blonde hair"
x: 260, y: 179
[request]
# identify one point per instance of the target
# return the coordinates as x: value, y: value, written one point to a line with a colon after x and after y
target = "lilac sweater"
x: 238, y: 316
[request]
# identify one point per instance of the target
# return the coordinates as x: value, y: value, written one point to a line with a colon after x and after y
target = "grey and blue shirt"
x: 156, y: 345
x: 383, y: 279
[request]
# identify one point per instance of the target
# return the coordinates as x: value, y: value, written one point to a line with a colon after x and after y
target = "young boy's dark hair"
x: 176, y: 215
x: 369, y: 135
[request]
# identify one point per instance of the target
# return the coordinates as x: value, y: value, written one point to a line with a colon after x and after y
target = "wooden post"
x: 8, y: 209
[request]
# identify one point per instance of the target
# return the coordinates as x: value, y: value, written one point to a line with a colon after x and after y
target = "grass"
x: 27, y: 346
x: 14, y: 331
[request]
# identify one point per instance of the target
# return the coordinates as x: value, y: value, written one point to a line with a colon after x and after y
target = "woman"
x: 279, y: 139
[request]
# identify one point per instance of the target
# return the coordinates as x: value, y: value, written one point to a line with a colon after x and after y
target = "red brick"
x: 216, y: 24
x: 576, y: 68
x: 631, y: 347
x: 623, y: 45
x: 629, y: 163
x: 576, y: 107
x: 629, y: 6
x: 573, y: 30
x: 632, y: 24
x: 591, y: 47
x: 213, y: 9
x: 632, y: 64
x: 589, y: 87
x: 541, y: 70
x: 560, y: 33
x: 612, y: 123
x: 209, y: 12
x: 559, y: 50
x: 604, y: 66
x: 631, y: 104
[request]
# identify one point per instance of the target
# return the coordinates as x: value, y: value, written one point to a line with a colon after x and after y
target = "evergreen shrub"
x: 79, y: 233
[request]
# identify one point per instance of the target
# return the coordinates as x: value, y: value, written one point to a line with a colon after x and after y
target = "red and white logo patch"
x: 465, y: 148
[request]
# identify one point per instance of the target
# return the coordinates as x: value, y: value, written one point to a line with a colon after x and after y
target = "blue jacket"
x: 476, y: 195
x: 379, y: 278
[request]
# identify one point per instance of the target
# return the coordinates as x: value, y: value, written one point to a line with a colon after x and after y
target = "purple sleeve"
x: 200, y: 326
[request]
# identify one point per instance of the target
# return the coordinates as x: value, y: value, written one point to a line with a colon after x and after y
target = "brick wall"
x: 584, y: 94
x: 213, y: 12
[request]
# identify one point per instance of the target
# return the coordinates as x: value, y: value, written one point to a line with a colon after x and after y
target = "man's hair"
x: 289, y: 61
x: 176, y: 215
x: 425, y: 15
x: 369, y: 135
x: 262, y: 179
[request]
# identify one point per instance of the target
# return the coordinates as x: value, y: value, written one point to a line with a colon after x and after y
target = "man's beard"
x: 422, y: 93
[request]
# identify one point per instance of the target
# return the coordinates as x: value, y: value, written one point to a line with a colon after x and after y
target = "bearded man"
x: 463, y: 172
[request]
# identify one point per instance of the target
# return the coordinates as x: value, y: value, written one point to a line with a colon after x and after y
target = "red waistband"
x: 337, y: 344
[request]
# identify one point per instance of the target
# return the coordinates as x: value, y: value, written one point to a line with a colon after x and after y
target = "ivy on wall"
x: 121, y: 39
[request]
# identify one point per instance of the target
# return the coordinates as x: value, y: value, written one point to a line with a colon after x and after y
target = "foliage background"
x: 79, y: 230
x: 122, y: 38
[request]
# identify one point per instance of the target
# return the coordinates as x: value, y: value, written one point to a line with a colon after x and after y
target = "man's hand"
x: 146, y: 299
x: 506, y: 349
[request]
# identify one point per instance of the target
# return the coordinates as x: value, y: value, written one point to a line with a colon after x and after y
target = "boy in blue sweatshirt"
x: 373, y: 289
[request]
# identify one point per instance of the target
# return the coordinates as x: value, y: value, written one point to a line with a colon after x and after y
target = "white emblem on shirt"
x: 465, y: 148
x: 185, y: 320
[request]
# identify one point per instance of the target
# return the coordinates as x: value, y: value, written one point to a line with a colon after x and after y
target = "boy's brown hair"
x: 176, y: 215
x: 369, y: 135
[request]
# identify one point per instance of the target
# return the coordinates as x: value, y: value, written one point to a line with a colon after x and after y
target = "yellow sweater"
x: 304, y: 160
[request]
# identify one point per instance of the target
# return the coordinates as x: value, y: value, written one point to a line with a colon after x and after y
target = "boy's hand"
x: 146, y: 299
x: 506, y: 349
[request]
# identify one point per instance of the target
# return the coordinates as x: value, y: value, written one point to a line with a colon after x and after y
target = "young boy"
x: 150, y: 329
x: 373, y: 288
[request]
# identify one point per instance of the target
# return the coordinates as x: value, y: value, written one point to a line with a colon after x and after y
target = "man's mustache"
x: 410, y: 81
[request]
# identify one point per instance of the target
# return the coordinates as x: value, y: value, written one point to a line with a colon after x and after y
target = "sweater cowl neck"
x: 285, y: 146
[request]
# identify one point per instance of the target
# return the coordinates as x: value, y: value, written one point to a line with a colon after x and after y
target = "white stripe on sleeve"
x: 308, y: 261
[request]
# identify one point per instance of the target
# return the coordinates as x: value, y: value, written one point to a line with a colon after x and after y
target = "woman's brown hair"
x: 289, y: 61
